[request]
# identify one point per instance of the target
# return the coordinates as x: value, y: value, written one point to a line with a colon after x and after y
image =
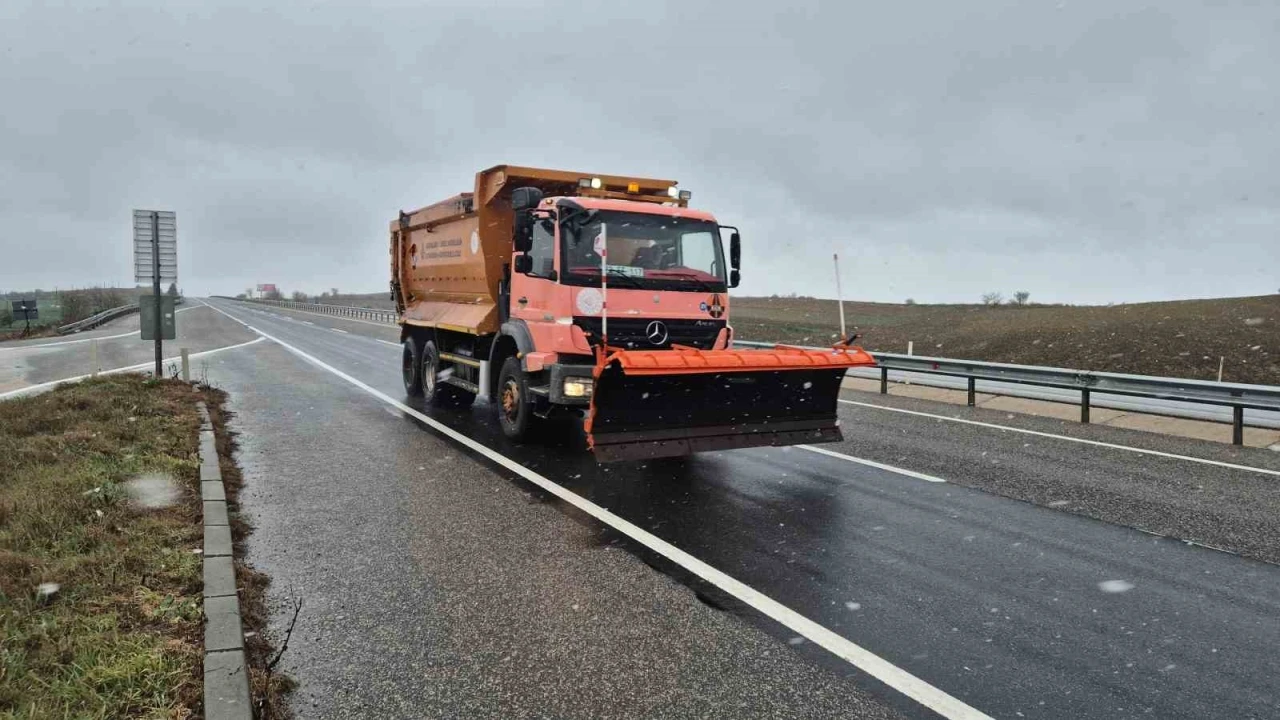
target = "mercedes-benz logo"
x: 656, y: 332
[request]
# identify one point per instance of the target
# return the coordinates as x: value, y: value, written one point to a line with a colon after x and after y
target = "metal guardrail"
x: 1236, y: 396
x: 94, y: 321
x: 359, y: 313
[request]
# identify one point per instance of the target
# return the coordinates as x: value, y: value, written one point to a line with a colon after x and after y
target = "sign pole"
x: 604, y: 287
x: 844, y: 335
x: 155, y: 290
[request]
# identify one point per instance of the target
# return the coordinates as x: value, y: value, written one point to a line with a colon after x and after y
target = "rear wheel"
x: 437, y: 392
x: 411, y: 366
x: 515, y: 407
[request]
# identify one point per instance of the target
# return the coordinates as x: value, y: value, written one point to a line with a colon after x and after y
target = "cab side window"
x: 543, y: 252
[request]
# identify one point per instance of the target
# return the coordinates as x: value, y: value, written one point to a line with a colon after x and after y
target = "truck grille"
x: 634, y: 333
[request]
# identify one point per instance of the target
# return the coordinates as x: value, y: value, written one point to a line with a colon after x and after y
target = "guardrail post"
x: 973, y: 391
x: 884, y: 380
x: 1084, y: 406
x: 1237, y: 425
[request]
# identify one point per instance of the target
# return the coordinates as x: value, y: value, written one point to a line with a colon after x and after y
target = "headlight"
x: 578, y: 387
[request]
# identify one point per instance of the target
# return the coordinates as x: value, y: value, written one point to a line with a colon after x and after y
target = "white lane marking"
x: 1098, y: 443
x: 344, y: 332
x: 861, y: 658
x: 85, y: 340
x: 388, y: 342
x: 69, y: 342
x: 113, y: 371
x: 308, y: 322
x: 872, y: 463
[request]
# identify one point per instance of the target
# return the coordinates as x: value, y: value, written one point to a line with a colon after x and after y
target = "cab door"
x: 533, y: 293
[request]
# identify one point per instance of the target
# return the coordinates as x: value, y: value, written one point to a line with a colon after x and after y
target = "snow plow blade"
x: 665, y: 403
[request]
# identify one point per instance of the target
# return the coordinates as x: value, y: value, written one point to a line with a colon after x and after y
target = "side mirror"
x: 734, y: 278
x: 522, y: 264
x: 735, y: 252
x: 523, y: 231
x: 525, y: 198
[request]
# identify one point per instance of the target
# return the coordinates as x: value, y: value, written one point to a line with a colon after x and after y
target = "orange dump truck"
x: 549, y: 292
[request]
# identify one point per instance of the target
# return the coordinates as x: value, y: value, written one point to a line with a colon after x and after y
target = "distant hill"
x: 1182, y: 338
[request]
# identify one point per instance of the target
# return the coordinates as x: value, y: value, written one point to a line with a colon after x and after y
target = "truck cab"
x: 590, y: 270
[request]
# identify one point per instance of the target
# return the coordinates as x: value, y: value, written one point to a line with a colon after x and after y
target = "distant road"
x: 28, y: 363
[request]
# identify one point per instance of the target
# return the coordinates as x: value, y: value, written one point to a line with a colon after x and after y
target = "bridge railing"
x: 1177, y: 397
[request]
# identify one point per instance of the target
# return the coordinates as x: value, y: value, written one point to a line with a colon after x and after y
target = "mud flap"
x: 651, y: 404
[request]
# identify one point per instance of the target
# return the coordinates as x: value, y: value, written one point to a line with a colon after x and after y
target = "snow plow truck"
x: 550, y: 293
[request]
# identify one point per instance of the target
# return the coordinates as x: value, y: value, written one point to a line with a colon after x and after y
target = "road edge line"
x: 882, y: 670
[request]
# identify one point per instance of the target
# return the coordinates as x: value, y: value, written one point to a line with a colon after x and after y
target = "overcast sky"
x: 1083, y: 151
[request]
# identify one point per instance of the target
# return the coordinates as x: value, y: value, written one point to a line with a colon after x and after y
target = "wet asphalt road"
x: 1010, y: 607
x: 31, y: 362
x: 433, y: 586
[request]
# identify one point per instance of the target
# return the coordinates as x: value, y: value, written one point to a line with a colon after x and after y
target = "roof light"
x: 584, y: 182
x: 633, y: 187
x: 596, y: 183
x: 673, y: 191
x: 686, y: 194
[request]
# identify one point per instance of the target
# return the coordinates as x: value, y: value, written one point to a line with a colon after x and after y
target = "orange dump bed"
x: 447, y: 258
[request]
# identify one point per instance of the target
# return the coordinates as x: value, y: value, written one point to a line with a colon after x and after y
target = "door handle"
x: 523, y: 301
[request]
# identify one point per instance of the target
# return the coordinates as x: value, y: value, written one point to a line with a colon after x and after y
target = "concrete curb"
x: 226, y: 674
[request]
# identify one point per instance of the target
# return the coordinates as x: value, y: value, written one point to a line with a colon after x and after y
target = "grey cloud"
x: 1087, y: 151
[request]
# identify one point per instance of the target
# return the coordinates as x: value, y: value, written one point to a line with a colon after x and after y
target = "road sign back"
x: 167, y: 223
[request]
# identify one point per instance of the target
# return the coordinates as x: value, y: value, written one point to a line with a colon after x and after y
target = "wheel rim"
x: 510, y: 401
x: 429, y: 374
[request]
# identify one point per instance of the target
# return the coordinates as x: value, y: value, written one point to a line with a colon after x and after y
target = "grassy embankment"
x: 122, y: 635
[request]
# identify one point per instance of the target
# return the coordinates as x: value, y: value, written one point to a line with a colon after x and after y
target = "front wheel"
x: 515, y: 407
x: 410, y: 367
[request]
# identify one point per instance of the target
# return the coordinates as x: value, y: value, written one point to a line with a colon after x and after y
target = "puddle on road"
x: 153, y: 490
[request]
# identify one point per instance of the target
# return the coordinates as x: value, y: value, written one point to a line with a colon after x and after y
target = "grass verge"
x: 122, y: 636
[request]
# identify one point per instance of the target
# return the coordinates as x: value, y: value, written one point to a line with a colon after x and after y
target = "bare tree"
x: 74, y: 304
x: 992, y: 298
x: 299, y: 296
x: 911, y: 301
x: 1020, y: 297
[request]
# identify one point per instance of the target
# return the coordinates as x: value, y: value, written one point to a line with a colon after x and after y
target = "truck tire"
x: 515, y: 407
x: 440, y: 394
x: 411, y: 366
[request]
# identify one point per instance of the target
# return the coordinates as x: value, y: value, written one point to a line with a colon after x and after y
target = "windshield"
x: 656, y: 252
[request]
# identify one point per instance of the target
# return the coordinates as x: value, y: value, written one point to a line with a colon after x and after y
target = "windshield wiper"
x: 702, y: 284
x: 616, y: 273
